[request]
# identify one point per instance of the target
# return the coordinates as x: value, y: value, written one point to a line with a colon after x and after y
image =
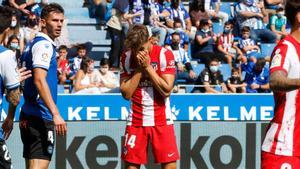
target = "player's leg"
x: 132, y: 166
x: 135, y: 146
x: 38, y: 141
x: 37, y: 164
x: 164, y: 146
x: 170, y: 165
x: 5, y: 160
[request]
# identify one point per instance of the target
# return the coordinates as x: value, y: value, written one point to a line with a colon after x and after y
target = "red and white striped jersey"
x: 226, y: 41
x: 283, y: 135
x: 148, y: 106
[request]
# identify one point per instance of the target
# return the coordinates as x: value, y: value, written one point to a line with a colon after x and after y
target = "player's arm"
x: 41, y: 84
x: 281, y: 83
x: 164, y: 83
x: 129, y: 84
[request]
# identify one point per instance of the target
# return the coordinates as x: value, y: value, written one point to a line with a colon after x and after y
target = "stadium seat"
x: 60, y: 89
x: 226, y: 7
x: 225, y: 70
x: 198, y: 68
x: 267, y: 49
x: 218, y: 27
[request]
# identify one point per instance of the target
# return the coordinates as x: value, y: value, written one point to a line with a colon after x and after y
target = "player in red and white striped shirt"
x: 281, y: 147
x: 147, y: 80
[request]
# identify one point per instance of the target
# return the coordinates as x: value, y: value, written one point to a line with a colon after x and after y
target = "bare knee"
x: 132, y: 166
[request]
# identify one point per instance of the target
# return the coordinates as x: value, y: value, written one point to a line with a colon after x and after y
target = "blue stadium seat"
x: 267, y: 49
x: 198, y: 68
x: 226, y: 7
x: 218, y: 27
x: 225, y: 70
x: 60, y: 89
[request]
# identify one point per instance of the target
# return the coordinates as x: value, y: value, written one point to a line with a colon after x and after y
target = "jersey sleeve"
x: 279, y: 59
x: 9, y: 71
x: 42, y: 52
x: 167, y: 62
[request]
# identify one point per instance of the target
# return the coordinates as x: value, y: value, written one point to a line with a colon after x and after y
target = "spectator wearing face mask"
x: 211, y: 79
x: 184, y: 69
x: 204, y: 48
x: 16, y: 30
x: 235, y: 83
x: 278, y: 23
x: 14, y: 45
x: 257, y: 76
x: 106, y: 79
x: 226, y: 44
x: 84, y: 82
x: 184, y: 38
x: 31, y: 28
x: 249, y: 14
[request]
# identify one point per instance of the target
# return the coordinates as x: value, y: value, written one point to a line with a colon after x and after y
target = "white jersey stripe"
x: 268, y: 142
x: 127, y: 62
x: 163, y: 60
x: 169, y: 117
x: 148, y: 106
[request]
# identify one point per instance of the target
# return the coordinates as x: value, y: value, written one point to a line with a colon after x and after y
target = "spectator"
x: 117, y: 26
x: 106, y: 79
x: 235, y: 83
x: 248, y: 45
x: 278, y: 23
x: 204, y: 48
x: 63, y: 66
x: 197, y: 13
x: 23, y: 6
x: 16, y: 30
x: 184, y: 38
x: 248, y: 14
x: 36, y: 9
x: 184, y: 69
x: 31, y: 28
x: 84, y: 83
x: 257, y: 76
x: 213, y: 8
x: 226, y: 44
x: 100, y: 10
x: 211, y: 79
x: 14, y: 45
x: 81, y: 53
x: 177, y: 10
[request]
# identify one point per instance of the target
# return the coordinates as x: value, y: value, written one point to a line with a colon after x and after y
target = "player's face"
x: 53, y: 24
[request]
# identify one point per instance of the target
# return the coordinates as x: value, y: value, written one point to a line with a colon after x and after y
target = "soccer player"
x: 39, y: 115
x: 9, y: 80
x: 147, y: 80
x: 281, y: 147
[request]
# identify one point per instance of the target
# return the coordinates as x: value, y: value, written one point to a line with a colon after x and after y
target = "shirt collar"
x: 41, y: 34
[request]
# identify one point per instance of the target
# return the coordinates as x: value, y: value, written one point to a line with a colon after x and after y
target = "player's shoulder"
x: 288, y: 43
x: 5, y: 53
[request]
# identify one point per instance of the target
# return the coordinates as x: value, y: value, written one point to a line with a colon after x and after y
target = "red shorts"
x: 162, y: 139
x: 273, y: 161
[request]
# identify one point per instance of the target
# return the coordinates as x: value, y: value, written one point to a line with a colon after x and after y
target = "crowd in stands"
x: 205, y: 36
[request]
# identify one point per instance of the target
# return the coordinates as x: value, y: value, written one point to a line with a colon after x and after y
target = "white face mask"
x: 13, y: 24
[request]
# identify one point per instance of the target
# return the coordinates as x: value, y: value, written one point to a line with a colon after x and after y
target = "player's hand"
x: 24, y: 74
x: 254, y: 86
x: 7, y: 127
x: 192, y: 74
x: 60, y: 125
x: 143, y: 59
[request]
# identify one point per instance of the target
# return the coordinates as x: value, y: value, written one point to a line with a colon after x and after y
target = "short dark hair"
x: 5, y: 18
x: 292, y: 7
x: 136, y: 37
x: 203, y: 22
x: 85, y: 64
x: 52, y: 7
x: 62, y: 47
x: 12, y: 37
x: 261, y: 62
x: 177, y: 20
x: 80, y: 47
x: 235, y: 69
x: 214, y: 59
x: 175, y: 34
x: 246, y: 29
x: 104, y: 61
